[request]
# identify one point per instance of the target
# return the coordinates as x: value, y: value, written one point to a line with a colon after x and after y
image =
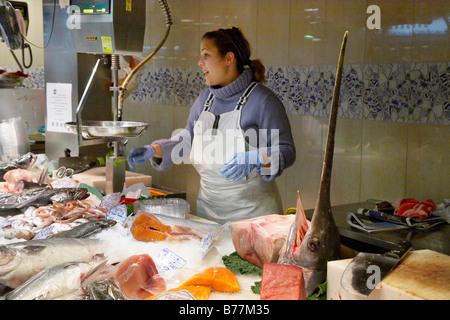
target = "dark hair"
x: 232, y: 40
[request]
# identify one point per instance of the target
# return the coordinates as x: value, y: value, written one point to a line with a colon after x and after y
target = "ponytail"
x: 259, y: 71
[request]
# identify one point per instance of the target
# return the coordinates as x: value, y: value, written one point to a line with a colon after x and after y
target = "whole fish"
x: 321, y: 243
x: 86, y: 229
x: 39, y: 197
x: 23, y: 162
x: 19, y: 261
x: 60, y: 282
x: 104, y: 289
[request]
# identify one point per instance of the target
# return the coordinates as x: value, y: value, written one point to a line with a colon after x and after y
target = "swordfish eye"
x: 313, y: 244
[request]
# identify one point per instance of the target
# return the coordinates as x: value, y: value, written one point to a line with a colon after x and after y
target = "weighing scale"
x: 111, y: 27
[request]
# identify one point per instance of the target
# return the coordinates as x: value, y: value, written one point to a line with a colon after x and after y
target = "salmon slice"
x: 139, y: 278
x: 146, y: 227
x: 218, y: 278
x: 198, y: 292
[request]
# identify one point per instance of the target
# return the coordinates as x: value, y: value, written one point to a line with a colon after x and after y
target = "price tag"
x: 44, y: 233
x: 176, y: 295
x: 206, y: 243
x: 118, y: 213
x: 169, y: 260
x: 110, y: 201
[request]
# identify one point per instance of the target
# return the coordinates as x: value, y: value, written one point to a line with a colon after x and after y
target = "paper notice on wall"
x: 59, y: 106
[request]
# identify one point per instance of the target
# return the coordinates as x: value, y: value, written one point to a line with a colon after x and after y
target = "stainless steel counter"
x: 436, y: 238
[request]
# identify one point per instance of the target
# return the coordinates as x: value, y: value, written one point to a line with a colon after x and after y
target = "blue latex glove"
x: 241, y: 165
x: 139, y: 155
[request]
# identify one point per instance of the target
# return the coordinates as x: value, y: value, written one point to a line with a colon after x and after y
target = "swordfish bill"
x: 322, y: 243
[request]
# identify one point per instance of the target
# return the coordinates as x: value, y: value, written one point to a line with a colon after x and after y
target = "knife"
x: 366, y: 270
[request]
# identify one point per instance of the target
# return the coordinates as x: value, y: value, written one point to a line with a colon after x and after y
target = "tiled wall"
x: 393, y: 133
x: 405, y: 93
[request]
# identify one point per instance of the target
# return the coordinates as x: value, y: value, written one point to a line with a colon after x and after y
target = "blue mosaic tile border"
x: 406, y: 93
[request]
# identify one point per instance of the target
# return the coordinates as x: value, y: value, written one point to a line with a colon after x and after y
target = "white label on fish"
x: 110, y: 201
x: 168, y: 260
x: 206, y: 243
x: 177, y: 295
x: 118, y: 213
x: 44, y: 233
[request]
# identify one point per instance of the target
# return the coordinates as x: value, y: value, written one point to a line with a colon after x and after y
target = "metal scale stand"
x: 111, y: 27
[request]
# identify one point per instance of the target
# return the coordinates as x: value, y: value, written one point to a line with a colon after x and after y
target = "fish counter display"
x: 59, y: 241
x: 63, y: 240
x: 112, y: 264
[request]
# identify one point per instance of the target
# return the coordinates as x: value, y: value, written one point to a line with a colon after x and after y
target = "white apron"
x: 216, y: 140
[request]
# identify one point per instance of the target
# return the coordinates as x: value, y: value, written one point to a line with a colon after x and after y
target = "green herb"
x: 238, y: 265
x: 109, y: 154
x: 321, y: 294
x: 256, y: 288
x: 101, y: 161
x: 117, y: 162
x: 130, y: 209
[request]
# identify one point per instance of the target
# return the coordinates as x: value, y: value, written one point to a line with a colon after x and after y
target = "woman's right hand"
x: 139, y: 155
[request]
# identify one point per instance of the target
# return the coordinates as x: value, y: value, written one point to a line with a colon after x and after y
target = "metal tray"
x: 122, y: 129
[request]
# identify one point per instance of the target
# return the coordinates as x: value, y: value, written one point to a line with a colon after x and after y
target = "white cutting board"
x: 96, y: 177
x: 423, y: 274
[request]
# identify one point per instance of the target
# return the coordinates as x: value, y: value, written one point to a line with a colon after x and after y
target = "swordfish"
x: 321, y: 243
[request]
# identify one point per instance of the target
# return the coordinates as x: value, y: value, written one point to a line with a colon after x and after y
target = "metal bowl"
x: 122, y: 129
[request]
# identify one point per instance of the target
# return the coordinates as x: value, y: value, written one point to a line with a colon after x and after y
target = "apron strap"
x: 243, y: 99
x: 208, y: 102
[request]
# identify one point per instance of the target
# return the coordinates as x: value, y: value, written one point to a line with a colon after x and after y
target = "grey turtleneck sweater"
x: 263, y: 110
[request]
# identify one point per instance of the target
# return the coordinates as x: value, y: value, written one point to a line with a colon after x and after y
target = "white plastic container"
x: 173, y: 207
x: 13, y: 139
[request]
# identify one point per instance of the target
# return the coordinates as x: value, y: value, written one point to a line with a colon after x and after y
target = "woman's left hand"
x: 242, y: 164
